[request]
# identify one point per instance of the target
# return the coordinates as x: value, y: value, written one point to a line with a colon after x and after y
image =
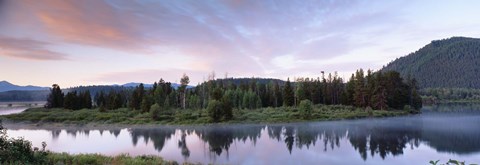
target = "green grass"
x: 193, y: 117
x: 94, y: 159
x: 98, y: 159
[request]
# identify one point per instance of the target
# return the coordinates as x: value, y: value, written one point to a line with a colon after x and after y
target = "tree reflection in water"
x: 376, y: 138
x: 157, y: 136
x: 382, y: 137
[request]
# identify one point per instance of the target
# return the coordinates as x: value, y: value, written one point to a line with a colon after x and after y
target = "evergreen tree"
x: 146, y: 104
x: 160, y: 95
x: 87, y: 98
x: 99, y: 99
x: 288, y: 94
x: 415, y: 100
x: 71, y: 101
x: 137, y: 96
x: 55, y: 98
x: 359, y: 93
x: 379, y: 95
x: 277, y: 95
x: 349, y: 91
x: 227, y: 107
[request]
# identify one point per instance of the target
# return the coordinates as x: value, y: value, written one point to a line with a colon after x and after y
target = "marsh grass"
x: 97, y: 159
x: 192, y: 117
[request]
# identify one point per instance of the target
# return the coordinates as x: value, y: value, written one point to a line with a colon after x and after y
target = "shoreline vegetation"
x: 450, y: 95
x: 124, y: 116
x: 229, y: 100
x: 233, y: 101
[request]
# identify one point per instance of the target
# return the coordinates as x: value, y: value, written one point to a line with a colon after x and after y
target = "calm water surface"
x: 17, y: 107
x: 440, y: 132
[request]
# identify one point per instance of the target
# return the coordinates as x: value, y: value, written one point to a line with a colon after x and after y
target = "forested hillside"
x: 447, y: 63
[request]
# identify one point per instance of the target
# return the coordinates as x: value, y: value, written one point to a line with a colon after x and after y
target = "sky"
x: 95, y: 42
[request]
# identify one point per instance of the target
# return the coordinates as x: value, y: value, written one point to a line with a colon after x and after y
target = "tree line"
x: 373, y: 90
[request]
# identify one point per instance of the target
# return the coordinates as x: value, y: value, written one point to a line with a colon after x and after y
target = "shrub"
x: 369, y: 110
x: 155, y: 111
x: 214, y: 110
x: 306, y: 108
x: 19, y: 150
x: 102, y: 108
x: 408, y: 108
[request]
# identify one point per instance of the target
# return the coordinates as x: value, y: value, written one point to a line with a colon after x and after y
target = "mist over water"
x: 17, y: 107
x: 448, y: 131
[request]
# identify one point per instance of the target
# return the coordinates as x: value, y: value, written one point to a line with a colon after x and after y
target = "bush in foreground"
x: 19, y: 151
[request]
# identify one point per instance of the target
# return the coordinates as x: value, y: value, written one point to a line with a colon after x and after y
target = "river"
x: 442, y: 132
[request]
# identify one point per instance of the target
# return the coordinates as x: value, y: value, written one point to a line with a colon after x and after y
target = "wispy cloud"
x: 28, y: 49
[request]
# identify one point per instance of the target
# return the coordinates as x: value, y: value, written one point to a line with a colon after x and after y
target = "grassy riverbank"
x: 94, y: 159
x: 189, y: 117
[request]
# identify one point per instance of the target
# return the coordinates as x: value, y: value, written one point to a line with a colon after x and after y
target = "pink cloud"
x: 239, y: 37
x: 28, y: 49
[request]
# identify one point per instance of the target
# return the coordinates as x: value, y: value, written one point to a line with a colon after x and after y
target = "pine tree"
x: 87, y: 100
x: 227, y: 107
x: 100, y: 99
x: 137, y: 96
x: 288, y: 94
x: 71, y: 101
x: 55, y: 98
x: 278, y: 95
x: 379, y: 94
x: 349, y: 91
x: 160, y: 96
x: 359, y: 93
x: 146, y: 103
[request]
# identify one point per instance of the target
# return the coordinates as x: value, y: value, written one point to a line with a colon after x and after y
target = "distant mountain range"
x: 134, y: 84
x: 11, y: 92
x: 7, y: 86
x: 447, y: 63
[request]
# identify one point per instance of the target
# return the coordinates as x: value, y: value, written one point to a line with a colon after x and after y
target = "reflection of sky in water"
x: 402, y: 140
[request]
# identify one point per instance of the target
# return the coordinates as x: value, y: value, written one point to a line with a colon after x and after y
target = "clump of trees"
x: 112, y: 100
x: 379, y: 91
x: 76, y: 101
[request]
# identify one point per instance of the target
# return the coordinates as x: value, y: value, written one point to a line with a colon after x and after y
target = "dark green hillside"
x: 447, y: 63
